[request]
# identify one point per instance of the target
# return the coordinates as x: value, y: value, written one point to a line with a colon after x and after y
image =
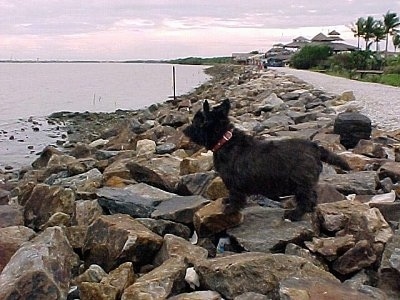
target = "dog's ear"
x: 225, y: 107
x: 206, y: 107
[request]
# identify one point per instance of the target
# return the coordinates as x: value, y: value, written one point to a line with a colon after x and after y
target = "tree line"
x: 374, y: 31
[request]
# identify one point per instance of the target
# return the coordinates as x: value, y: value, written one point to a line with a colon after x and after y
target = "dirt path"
x: 381, y: 103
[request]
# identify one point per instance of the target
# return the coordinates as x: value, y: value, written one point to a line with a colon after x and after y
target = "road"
x: 381, y: 103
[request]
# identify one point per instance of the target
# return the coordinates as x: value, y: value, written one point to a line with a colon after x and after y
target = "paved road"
x: 381, y: 103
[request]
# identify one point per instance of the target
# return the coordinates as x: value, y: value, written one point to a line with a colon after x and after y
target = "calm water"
x: 37, y: 90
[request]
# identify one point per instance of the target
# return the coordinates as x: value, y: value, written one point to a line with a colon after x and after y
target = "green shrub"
x: 310, y: 56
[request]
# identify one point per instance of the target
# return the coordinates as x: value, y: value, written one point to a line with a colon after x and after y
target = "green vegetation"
x: 201, y: 61
x: 383, y: 68
x: 310, y: 56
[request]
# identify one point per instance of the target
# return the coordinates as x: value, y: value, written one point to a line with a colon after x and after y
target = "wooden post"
x: 174, y: 81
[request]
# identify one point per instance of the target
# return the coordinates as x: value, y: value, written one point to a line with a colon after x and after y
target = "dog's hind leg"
x: 306, y: 200
x: 235, y: 202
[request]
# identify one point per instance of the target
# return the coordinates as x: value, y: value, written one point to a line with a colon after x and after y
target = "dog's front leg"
x: 235, y: 202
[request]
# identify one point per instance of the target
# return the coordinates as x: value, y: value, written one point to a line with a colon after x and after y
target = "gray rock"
x: 352, y: 127
x: 265, y: 230
x: 117, y: 200
x: 179, y: 209
x: 361, y: 183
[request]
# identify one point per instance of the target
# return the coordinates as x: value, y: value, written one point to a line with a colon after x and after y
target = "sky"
x: 156, y: 29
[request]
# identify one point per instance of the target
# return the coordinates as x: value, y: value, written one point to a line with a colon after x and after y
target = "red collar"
x: 226, y: 137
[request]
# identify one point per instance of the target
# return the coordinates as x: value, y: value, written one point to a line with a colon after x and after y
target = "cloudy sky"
x: 163, y: 29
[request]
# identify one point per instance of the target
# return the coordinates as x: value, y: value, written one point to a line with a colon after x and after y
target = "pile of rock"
x: 133, y: 209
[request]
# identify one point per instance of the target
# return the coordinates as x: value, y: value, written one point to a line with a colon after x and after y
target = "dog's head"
x: 208, y: 126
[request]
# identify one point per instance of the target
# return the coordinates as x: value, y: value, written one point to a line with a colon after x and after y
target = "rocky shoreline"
x: 131, y: 209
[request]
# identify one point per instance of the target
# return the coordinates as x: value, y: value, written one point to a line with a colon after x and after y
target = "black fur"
x: 271, y: 168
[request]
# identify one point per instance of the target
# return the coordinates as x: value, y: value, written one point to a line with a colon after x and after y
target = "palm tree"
x: 379, y: 33
x: 391, y: 22
x: 368, y: 30
x: 396, y: 41
x: 358, y: 30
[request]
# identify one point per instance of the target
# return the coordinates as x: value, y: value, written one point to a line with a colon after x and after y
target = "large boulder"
x: 40, y: 269
x: 352, y: 127
x: 115, y: 239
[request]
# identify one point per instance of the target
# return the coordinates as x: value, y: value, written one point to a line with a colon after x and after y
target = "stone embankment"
x: 131, y: 209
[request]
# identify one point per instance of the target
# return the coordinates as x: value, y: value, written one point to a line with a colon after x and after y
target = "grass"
x: 388, y: 79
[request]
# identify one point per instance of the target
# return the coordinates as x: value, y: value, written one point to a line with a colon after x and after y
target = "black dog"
x: 249, y: 166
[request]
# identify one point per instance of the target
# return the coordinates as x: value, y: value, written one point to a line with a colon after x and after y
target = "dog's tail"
x: 333, y: 159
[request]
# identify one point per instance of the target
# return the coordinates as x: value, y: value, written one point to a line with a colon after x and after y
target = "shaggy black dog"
x: 249, y: 166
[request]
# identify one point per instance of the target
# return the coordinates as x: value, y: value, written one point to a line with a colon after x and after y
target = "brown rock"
x: 11, y: 238
x: 45, y: 156
x: 370, y: 149
x: 97, y: 291
x: 11, y: 215
x: 355, y: 259
x: 261, y: 273
x: 5, y: 197
x: 390, y: 169
x: 87, y: 211
x: 294, y: 288
x: 112, y: 240
x: 161, y: 172
x: 327, y: 193
x: 212, y: 219
x: 358, y: 162
x: 118, y: 169
x: 331, y: 247
x: 199, y: 295
x: 197, y: 164
x: 216, y: 189
x: 46, y: 261
x: 120, y: 278
x: 162, y: 282
x: 45, y: 201
x: 178, y: 247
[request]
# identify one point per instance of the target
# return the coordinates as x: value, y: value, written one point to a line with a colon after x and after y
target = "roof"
x: 295, y: 44
x: 301, y: 39
x: 333, y: 32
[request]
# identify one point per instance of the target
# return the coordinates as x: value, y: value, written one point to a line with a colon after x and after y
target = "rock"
x: 260, y: 273
x: 161, y: 172
x: 294, y: 288
x: 87, y: 211
x: 47, y: 261
x: 265, y: 230
x: 119, y: 169
x: 94, y: 273
x: 389, y: 270
x: 251, y: 296
x: 5, y: 197
x: 370, y: 149
x: 84, y: 182
x: 45, y: 156
x: 98, y: 143
x: 94, y: 290
x: 331, y: 247
x: 11, y: 215
x: 197, y: 164
x: 216, y: 189
x: 179, y: 209
x: 174, y: 119
x: 358, y: 162
x: 163, y: 227
x: 211, y: 219
x: 390, y: 169
x: 160, y: 283
x: 145, y: 148
x: 352, y: 127
x: 195, y: 184
x: 270, y: 103
x: 165, y: 148
x: 124, y: 201
x: 11, y: 239
x: 199, y: 295
x: 45, y: 201
x: 352, y: 217
x: 120, y: 278
x: 327, y: 193
x: 293, y: 249
x: 178, y: 247
x: 112, y: 240
x: 150, y: 192
x: 358, y: 257
x: 360, y: 183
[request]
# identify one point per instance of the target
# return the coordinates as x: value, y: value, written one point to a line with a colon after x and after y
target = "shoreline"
x: 136, y: 182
